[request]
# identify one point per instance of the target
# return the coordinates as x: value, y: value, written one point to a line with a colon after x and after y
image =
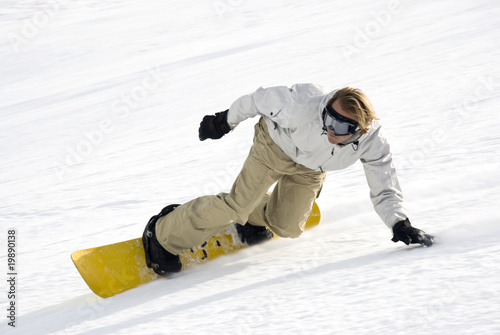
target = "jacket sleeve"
x: 385, y: 191
x: 267, y: 102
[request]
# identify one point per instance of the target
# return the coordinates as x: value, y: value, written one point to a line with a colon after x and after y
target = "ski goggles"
x: 340, y: 125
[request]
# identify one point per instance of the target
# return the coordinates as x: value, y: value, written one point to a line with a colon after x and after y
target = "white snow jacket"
x: 294, y: 119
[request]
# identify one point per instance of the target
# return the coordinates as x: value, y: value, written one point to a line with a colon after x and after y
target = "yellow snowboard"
x: 118, y: 267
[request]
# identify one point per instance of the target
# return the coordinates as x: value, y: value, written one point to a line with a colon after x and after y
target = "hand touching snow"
x: 404, y: 232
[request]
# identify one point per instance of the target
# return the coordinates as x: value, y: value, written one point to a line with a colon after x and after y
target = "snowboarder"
x: 303, y: 131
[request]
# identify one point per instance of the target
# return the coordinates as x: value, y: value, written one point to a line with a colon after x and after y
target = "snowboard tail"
x: 118, y: 267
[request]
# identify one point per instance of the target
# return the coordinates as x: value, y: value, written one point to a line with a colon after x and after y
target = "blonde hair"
x: 355, y: 102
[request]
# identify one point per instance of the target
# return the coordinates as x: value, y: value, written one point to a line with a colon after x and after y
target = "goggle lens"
x: 340, y: 125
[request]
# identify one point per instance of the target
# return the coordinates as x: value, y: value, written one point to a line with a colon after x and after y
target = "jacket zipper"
x: 332, y: 153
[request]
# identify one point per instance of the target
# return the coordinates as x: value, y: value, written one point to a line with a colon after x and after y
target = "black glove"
x: 214, y: 126
x: 404, y: 232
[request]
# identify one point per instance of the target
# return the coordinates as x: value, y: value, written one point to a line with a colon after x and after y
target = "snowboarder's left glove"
x: 214, y: 126
x: 404, y: 232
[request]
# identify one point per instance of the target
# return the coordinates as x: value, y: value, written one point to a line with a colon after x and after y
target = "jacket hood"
x: 323, y: 103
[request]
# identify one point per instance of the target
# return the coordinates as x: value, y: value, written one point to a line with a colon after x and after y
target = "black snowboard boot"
x: 160, y: 260
x: 252, y: 235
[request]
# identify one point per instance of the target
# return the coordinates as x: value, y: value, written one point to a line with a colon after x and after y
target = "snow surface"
x: 100, y: 104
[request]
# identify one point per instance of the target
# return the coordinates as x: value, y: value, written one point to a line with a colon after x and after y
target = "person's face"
x: 331, y: 136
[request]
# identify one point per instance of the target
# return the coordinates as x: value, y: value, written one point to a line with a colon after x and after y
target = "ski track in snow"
x: 99, y: 110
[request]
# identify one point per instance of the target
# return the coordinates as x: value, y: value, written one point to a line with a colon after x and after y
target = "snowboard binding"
x: 252, y: 235
x: 157, y: 258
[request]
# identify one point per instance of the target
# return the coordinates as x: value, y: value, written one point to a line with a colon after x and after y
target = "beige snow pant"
x: 285, y: 211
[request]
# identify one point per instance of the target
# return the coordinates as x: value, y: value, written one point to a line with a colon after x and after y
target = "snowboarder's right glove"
x: 214, y: 126
x: 404, y: 232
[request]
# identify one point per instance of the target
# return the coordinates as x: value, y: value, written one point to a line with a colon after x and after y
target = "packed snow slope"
x: 100, y: 104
